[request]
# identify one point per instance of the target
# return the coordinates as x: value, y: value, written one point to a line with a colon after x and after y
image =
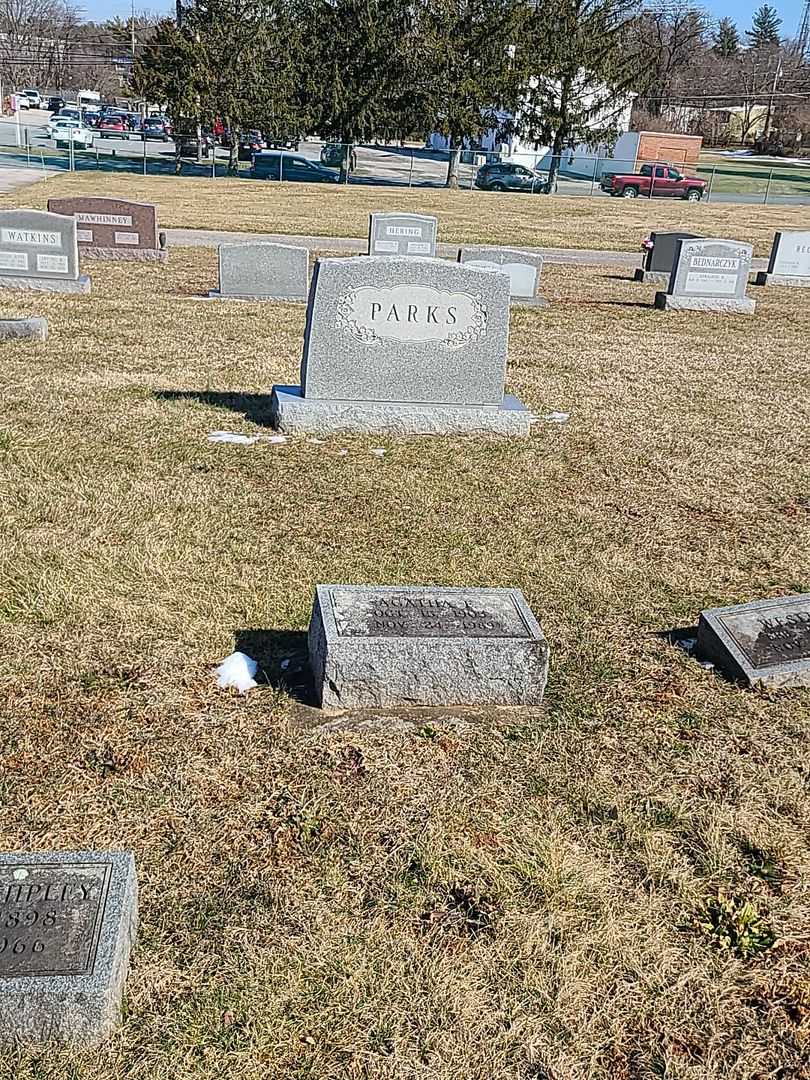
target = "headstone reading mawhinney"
x: 262, y: 271
x: 709, y: 275
x: 659, y: 257
x: 39, y: 251
x: 523, y: 267
x: 403, y: 645
x: 766, y: 642
x: 403, y: 346
x: 114, y: 228
x: 68, y: 921
x: 789, y: 263
x: 402, y: 234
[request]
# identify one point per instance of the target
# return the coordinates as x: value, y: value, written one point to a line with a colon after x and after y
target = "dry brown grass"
x: 508, y: 894
x: 307, y: 209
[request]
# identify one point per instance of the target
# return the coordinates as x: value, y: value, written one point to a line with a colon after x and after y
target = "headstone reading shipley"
x: 39, y: 251
x: 403, y: 346
x: 402, y: 234
x: 68, y: 921
x: 523, y: 267
x: 659, y: 259
x: 709, y: 275
x: 790, y: 261
x: 766, y: 642
x: 262, y: 272
x: 114, y: 228
x: 403, y: 645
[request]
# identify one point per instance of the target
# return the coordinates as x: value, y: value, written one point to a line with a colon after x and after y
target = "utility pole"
x: 769, y: 116
x: 803, y: 41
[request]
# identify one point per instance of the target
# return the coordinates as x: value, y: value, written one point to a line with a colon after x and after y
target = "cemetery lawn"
x: 473, y: 217
x: 612, y: 886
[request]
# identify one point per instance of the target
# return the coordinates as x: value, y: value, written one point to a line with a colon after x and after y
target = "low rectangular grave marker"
x: 116, y: 229
x: 39, y: 250
x: 263, y: 271
x: 522, y: 267
x: 389, y: 646
x: 789, y: 263
x: 660, y: 258
x: 766, y: 642
x: 709, y: 275
x: 402, y: 234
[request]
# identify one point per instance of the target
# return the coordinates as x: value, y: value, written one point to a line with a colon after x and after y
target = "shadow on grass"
x: 283, y: 661
x: 254, y: 407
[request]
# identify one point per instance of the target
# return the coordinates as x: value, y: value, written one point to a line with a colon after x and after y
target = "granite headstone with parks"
x: 388, y: 646
x: 523, y: 268
x: 68, y: 921
x: 39, y: 251
x: 659, y: 256
x: 402, y: 234
x: 789, y: 263
x: 709, y: 275
x: 262, y: 271
x: 115, y: 229
x: 403, y: 346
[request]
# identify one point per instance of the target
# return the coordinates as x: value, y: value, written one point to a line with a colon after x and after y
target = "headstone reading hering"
x: 402, y: 234
x: 766, y: 642
x: 262, y: 271
x: 660, y: 257
x: 709, y: 275
x: 39, y: 251
x: 789, y: 263
x: 114, y: 228
x: 68, y: 921
x: 523, y: 267
x: 403, y: 645
x: 403, y: 346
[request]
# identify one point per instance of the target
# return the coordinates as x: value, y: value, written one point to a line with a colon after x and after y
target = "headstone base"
x: 80, y: 284
x: 123, y: 255
x: 215, y: 294
x: 651, y: 277
x: 293, y: 414
x: 764, y: 278
x: 34, y: 328
x: 719, y: 304
x: 529, y: 302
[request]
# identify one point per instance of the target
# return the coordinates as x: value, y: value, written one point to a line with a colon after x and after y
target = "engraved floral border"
x: 344, y: 320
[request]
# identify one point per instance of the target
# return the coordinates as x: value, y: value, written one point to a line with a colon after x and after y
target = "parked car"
x: 59, y: 123
x: 29, y: 99
x: 658, y: 181
x: 155, y: 128
x: 332, y: 154
x: 55, y: 104
x: 507, y: 176
x: 71, y: 132
x: 112, y: 127
x: 276, y: 165
x: 188, y: 144
x: 69, y: 112
x: 250, y: 143
x: 283, y: 142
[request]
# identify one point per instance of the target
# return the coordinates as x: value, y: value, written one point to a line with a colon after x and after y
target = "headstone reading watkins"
x: 39, y: 251
x: 766, y: 642
x: 402, y: 234
x: 709, y: 275
x: 262, y: 271
x: 659, y: 259
x: 114, y: 228
x: 67, y: 923
x: 403, y: 346
x: 523, y: 268
x: 790, y: 261
x: 404, y: 645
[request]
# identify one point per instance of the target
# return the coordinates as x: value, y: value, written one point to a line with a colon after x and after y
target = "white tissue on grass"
x: 275, y: 438
x: 557, y: 417
x: 237, y: 671
x: 232, y: 437
x: 378, y: 451
x: 343, y: 453
x: 315, y: 442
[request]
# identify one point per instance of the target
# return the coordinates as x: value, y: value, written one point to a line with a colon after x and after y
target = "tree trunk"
x: 346, y: 162
x: 233, y: 152
x: 452, y: 164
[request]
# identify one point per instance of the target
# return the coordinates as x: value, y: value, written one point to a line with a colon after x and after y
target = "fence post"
x: 213, y: 161
x: 593, y: 178
x: 768, y: 187
x: 711, y: 183
x: 280, y: 165
x: 144, y: 155
x: 410, y: 172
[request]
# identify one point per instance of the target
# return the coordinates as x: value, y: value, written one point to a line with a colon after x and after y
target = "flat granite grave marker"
x: 402, y: 234
x: 403, y: 346
x: 68, y: 921
x: 660, y: 258
x: 789, y: 263
x: 389, y: 646
x: 114, y: 228
x: 523, y: 268
x: 709, y: 275
x: 32, y: 328
x: 765, y: 642
x: 39, y: 251
x: 262, y: 271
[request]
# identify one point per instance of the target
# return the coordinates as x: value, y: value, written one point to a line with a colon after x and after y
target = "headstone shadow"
x: 283, y: 661
x: 254, y: 407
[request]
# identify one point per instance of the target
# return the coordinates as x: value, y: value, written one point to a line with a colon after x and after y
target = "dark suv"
x: 276, y: 165
x: 505, y: 176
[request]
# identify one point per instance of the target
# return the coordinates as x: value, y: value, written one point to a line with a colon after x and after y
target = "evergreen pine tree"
x: 764, y: 30
x: 726, y: 38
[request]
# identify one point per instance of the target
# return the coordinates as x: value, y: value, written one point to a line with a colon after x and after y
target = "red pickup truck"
x: 660, y: 181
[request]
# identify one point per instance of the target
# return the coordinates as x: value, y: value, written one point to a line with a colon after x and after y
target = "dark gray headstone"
x: 765, y: 642
x: 115, y: 229
x: 39, y: 251
x: 263, y: 271
x: 392, y: 646
x: 67, y: 923
x: 709, y: 275
x: 789, y: 263
x: 661, y: 257
x: 522, y: 267
x: 402, y: 234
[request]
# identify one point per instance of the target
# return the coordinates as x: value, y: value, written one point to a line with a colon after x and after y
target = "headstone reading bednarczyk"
x: 68, y: 921
x: 403, y: 346
x: 114, y: 228
x: 262, y: 271
x: 766, y: 642
x: 709, y: 275
x: 523, y: 267
x: 790, y: 261
x: 402, y: 234
x: 404, y: 645
x: 660, y: 257
x: 39, y: 251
